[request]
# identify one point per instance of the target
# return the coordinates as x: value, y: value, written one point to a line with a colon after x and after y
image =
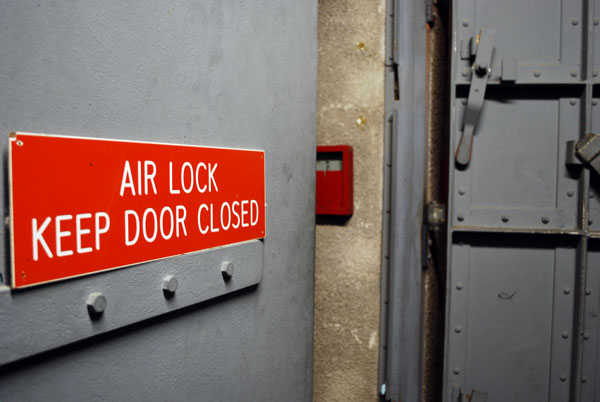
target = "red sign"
x: 80, y: 206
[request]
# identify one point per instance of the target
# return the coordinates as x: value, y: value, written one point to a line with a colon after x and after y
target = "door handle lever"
x: 481, y: 69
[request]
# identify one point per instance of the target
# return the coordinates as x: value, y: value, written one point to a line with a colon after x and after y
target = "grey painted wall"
x: 216, y: 73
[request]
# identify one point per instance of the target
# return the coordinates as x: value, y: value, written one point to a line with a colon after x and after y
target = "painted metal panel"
x: 595, y: 20
x: 518, y: 152
x: 131, y: 297
x: 594, y: 195
x: 511, y: 307
x: 590, y: 350
x: 400, y: 358
x: 222, y: 74
x: 519, y: 321
x: 543, y: 37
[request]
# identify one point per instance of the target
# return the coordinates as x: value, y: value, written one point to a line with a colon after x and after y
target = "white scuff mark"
x: 364, y: 224
x: 342, y: 106
x: 354, y: 333
x: 536, y: 178
x: 331, y: 325
x: 373, y: 340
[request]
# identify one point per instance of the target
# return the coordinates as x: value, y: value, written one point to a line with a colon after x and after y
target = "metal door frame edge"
x: 405, y: 128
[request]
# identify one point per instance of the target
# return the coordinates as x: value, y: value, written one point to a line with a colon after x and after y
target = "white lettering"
x: 162, y: 223
x: 253, y: 203
x: 180, y: 219
x: 38, y: 237
x: 244, y: 212
x: 212, y: 228
x: 100, y: 230
x: 128, y: 241
x: 203, y: 231
x: 139, y: 177
x: 171, y: 190
x: 149, y: 177
x: 211, y: 177
x: 60, y: 234
x: 233, y: 209
x: 80, y: 232
x: 187, y: 190
x: 225, y: 227
x: 127, y: 180
x: 147, y: 212
x: 203, y: 188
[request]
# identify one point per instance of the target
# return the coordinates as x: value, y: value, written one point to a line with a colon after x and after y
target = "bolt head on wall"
x: 227, y: 270
x: 96, y: 303
x: 169, y: 285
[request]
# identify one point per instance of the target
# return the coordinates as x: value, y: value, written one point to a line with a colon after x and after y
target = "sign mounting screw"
x: 227, y: 270
x: 96, y: 303
x: 169, y: 285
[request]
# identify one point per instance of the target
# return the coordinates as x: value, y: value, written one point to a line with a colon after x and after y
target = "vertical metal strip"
x: 385, y: 249
x: 578, y: 319
x: 451, y: 391
x: 403, y: 365
x: 385, y: 257
x: 577, y: 375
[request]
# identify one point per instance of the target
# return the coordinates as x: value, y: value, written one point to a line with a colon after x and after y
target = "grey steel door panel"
x: 210, y: 73
x: 543, y: 36
x: 521, y: 321
x: 511, y: 315
x: 132, y: 295
x: 591, y: 353
x: 509, y: 182
x: 406, y: 88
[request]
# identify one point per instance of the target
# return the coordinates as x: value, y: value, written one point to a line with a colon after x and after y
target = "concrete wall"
x: 347, y: 274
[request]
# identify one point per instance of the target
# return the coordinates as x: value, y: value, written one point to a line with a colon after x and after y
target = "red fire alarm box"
x: 334, y: 180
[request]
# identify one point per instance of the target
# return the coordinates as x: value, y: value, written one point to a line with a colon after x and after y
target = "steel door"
x: 226, y: 74
x: 523, y: 261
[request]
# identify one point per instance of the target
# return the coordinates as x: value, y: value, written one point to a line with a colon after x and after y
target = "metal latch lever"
x: 585, y: 151
x: 481, y: 70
